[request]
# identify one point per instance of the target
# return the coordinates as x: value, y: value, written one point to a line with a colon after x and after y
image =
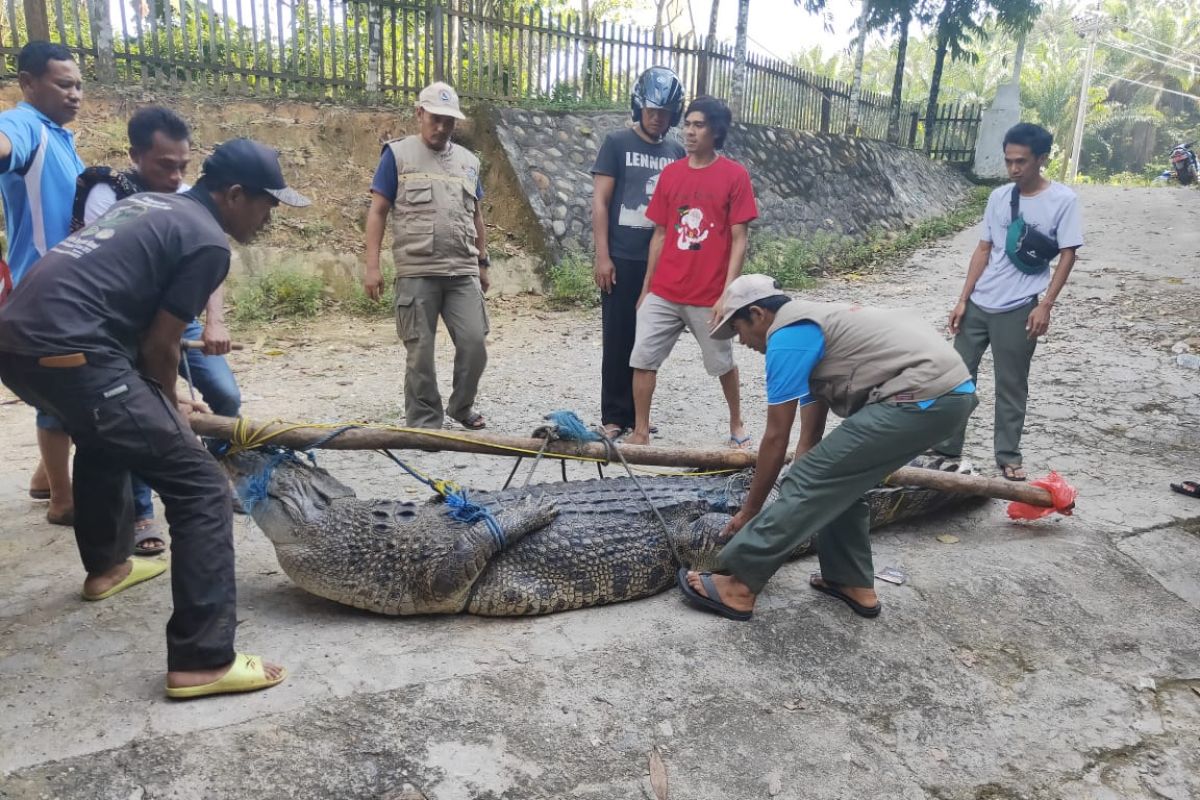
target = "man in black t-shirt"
x: 623, y: 179
x: 92, y: 336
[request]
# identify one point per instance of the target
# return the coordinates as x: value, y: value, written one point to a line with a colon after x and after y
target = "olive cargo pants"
x: 1012, y: 352
x: 823, y: 492
x: 459, y: 301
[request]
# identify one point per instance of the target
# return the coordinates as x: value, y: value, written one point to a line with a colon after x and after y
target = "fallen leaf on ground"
x: 774, y: 784
x: 658, y: 775
x: 793, y: 705
x: 947, y: 538
x: 273, y: 352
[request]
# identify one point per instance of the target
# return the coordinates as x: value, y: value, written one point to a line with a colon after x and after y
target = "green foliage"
x: 277, y: 295
x: 795, y: 263
x: 572, y: 283
x: 359, y: 304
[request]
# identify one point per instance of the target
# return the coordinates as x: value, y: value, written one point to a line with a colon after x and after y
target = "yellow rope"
x: 246, y: 438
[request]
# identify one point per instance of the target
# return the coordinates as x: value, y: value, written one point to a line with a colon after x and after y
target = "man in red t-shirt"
x: 701, y: 210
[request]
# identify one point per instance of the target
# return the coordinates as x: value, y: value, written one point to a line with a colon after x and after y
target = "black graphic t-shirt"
x: 635, y: 164
x: 97, y: 291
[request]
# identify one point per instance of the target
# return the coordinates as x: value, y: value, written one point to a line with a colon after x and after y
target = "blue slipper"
x: 712, y: 603
x: 744, y: 443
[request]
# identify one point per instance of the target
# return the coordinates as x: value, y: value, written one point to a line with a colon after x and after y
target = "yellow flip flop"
x: 143, y: 569
x: 248, y: 674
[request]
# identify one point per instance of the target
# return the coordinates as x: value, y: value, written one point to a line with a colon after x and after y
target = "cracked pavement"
x: 1048, y: 660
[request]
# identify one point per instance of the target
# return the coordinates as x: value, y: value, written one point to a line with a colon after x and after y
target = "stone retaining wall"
x: 804, y: 182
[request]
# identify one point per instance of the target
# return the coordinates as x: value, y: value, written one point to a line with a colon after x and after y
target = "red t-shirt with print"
x: 698, y: 207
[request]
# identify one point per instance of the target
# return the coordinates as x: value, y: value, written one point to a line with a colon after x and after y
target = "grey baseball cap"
x: 744, y: 291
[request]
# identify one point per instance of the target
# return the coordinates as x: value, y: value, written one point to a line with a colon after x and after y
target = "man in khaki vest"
x: 432, y: 189
x: 900, y: 388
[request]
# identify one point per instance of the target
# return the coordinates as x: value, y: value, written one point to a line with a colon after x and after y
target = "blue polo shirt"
x: 38, y: 185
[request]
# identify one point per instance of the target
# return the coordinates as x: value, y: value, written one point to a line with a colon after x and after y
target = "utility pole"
x: 1088, y: 26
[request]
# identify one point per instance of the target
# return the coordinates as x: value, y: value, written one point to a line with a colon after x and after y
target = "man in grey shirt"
x: 92, y: 335
x: 623, y: 179
x: 1006, y: 302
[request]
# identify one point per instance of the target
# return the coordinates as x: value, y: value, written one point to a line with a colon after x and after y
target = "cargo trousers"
x: 458, y: 300
x: 823, y: 494
x: 121, y: 422
x: 1012, y: 354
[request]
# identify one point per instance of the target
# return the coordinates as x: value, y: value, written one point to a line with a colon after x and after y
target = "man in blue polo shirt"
x: 38, y: 167
x: 897, y: 384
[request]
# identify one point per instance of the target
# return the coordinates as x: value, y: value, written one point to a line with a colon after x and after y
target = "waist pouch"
x: 1030, y: 250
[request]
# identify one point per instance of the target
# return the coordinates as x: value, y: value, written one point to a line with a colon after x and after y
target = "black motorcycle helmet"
x: 658, y: 87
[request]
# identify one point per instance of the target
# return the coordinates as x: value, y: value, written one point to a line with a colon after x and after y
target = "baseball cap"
x: 254, y: 166
x: 744, y: 290
x: 440, y: 98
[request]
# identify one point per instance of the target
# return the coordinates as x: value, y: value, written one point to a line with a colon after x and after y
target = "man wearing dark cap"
x: 432, y: 189
x: 899, y: 386
x: 92, y: 335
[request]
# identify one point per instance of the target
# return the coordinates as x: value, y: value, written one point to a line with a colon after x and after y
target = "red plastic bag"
x: 1062, y: 493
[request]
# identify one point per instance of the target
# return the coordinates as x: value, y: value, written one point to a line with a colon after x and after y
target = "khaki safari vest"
x: 433, y: 218
x: 875, y: 355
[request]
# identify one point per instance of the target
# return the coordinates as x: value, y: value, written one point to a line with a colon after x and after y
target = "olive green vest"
x: 875, y: 355
x: 433, y: 218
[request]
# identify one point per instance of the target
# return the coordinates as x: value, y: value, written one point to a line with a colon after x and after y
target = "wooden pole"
x: 37, y: 23
x: 299, y: 438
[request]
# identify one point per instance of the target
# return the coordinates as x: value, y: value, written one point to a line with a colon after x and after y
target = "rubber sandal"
x: 744, y: 443
x: 67, y: 518
x: 1189, y: 488
x: 824, y: 587
x: 1009, y: 472
x: 246, y: 674
x: 473, y: 422
x: 143, y: 569
x: 39, y: 494
x: 712, y: 603
x: 140, y: 535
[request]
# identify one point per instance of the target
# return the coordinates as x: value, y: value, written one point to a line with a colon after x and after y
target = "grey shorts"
x: 659, y: 323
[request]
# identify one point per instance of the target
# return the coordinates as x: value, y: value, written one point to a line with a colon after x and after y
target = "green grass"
x: 572, y: 284
x: 797, y: 262
x: 277, y: 295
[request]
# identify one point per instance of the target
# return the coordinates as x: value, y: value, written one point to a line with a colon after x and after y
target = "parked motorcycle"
x: 1184, y: 164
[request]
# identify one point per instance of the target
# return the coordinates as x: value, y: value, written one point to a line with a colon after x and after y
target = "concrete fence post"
x: 374, y: 47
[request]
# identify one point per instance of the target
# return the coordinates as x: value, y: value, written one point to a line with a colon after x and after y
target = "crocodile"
x: 552, y: 547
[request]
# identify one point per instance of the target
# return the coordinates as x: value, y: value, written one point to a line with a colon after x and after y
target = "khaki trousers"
x: 458, y: 300
x: 823, y: 493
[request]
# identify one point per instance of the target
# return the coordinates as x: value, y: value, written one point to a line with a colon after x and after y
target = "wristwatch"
x: 485, y: 262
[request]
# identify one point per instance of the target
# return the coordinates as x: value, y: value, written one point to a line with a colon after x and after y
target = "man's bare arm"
x: 812, y: 426
x: 1039, y: 319
x: 979, y: 262
x: 160, y: 352
x: 5, y: 146
x: 603, y: 187
x: 216, y: 335
x: 377, y: 216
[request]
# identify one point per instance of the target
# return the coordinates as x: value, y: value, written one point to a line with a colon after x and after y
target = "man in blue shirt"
x: 38, y: 167
x: 899, y: 387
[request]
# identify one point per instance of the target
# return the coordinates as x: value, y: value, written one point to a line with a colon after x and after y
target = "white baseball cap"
x: 745, y: 290
x: 440, y: 98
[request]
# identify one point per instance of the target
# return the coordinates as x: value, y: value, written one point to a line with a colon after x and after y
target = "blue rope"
x: 570, y: 427
x: 460, y: 507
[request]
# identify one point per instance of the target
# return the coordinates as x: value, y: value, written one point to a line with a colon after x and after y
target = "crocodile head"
x: 296, y: 495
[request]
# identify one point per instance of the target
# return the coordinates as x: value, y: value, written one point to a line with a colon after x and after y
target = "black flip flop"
x: 145, y: 534
x: 870, y: 612
x: 1190, y: 488
x: 39, y: 494
x: 712, y: 603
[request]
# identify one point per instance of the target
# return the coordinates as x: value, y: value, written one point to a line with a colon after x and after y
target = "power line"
x: 1180, y: 65
x: 1160, y: 43
x: 1192, y: 65
x: 1149, y: 86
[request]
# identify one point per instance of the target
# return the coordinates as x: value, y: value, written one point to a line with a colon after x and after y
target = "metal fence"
x: 389, y: 49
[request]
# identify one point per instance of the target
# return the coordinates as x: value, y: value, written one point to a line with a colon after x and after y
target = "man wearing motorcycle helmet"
x: 623, y: 179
